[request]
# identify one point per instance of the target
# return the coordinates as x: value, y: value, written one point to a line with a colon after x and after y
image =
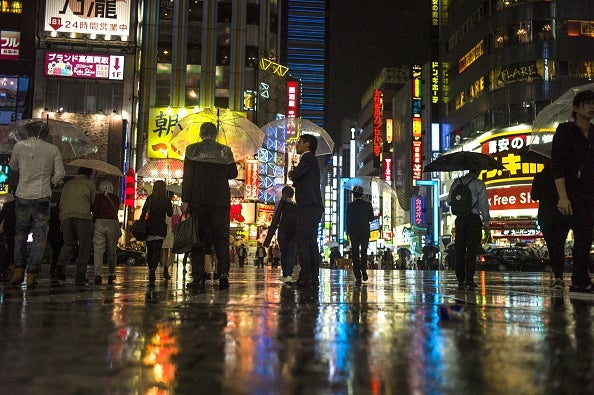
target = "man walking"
x: 77, y: 198
x: 39, y: 165
x: 308, y: 196
x: 469, y: 224
x: 208, y: 166
x: 359, y: 213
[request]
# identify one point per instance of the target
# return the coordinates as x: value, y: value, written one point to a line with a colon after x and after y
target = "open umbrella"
x: 162, y: 168
x: 404, y: 251
x: 463, y: 160
x: 331, y: 243
x: 234, y: 130
x: 98, y: 166
x: 290, y: 129
x: 369, y: 184
x: 557, y: 112
x: 536, y: 153
x: 69, y: 138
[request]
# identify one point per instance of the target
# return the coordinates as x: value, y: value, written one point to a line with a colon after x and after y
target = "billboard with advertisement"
x: 105, y: 17
x: 161, y: 124
x: 10, y: 45
x: 91, y: 66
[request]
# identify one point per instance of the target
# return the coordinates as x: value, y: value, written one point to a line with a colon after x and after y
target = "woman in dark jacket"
x: 157, y: 206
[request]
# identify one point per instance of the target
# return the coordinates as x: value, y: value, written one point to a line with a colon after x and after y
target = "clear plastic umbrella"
x: 548, y: 118
x: 290, y: 129
x: 234, y: 130
x: 369, y: 184
x: 162, y: 168
x: 69, y: 138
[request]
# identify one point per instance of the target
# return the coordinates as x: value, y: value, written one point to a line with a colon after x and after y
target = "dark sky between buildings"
x: 364, y: 37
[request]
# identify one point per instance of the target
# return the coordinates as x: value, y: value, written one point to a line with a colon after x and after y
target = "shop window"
x: 164, y: 53
x: 223, y: 55
x: 543, y: 29
x: 583, y: 69
x: 225, y: 12
x: 251, y: 56
x: 194, y: 54
x: 166, y: 9
x: 82, y: 96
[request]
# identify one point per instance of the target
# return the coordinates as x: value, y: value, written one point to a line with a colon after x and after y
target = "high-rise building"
x: 306, y: 54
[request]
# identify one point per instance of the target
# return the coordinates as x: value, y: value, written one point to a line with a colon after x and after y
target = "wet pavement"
x: 515, y: 336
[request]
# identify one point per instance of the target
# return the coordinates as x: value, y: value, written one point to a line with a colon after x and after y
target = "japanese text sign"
x: 105, y: 17
x: 10, y: 45
x: 72, y: 65
x: 161, y: 125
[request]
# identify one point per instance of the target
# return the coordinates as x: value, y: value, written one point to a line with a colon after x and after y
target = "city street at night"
x: 514, y: 336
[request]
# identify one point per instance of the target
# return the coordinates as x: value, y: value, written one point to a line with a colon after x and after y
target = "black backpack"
x: 461, y: 203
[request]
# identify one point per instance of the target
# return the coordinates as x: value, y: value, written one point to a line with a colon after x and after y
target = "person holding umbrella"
x: 469, y: 224
x: 208, y: 165
x: 32, y: 207
x: 572, y: 157
x: 359, y: 213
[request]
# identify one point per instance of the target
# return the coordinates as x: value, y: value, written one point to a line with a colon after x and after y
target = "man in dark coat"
x: 359, y: 213
x: 308, y: 196
x: 208, y: 166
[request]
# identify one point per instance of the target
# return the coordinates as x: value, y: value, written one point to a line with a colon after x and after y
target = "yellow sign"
x: 161, y: 124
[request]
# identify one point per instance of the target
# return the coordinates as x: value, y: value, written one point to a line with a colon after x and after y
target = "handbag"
x: 140, y: 228
x: 185, y: 236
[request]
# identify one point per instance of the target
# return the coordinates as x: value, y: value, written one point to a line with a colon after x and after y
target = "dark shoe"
x: 110, y: 278
x: 223, y: 283
x: 98, y: 280
x: 197, y: 285
x: 588, y: 289
x: 364, y: 275
x: 82, y: 280
x: 152, y: 277
x: 471, y: 285
x: 357, y: 281
x: 166, y: 274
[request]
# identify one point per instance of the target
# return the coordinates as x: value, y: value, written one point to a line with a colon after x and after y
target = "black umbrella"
x: 536, y: 153
x: 463, y: 160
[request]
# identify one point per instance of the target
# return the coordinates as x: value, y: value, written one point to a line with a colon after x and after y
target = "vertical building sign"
x: 251, y: 179
x: 292, y: 99
x: 417, y: 210
x: 388, y: 170
x: 378, y: 104
x: 417, y: 127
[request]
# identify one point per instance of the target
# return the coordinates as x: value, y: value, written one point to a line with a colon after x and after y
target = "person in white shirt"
x: 38, y: 165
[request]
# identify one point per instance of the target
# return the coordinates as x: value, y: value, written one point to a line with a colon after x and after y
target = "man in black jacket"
x: 308, y: 195
x: 208, y: 166
x: 359, y: 213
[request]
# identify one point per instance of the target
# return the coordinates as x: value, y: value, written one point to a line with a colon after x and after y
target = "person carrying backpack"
x: 469, y: 203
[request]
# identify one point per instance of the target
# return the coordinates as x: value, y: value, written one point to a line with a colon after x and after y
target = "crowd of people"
x: 86, y: 214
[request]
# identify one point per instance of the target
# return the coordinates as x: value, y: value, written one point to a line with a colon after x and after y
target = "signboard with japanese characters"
x: 104, y: 17
x: 73, y: 65
x: 252, y: 170
x: 161, y: 125
x: 505, y: 147
x: 10, y: 45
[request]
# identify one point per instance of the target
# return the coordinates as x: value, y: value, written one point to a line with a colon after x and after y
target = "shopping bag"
x: 140, y: 228
x: 185, y: 236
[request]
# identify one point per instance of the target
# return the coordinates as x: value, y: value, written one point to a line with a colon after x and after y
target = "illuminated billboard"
x: 417, y: 125
x: 10, y: 45
x: 104, y: 17
x: 73, y: 65
x: 378, y: 106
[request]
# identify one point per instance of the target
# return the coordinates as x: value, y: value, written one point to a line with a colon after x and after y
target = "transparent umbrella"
x: 548, y: 118
x: 162, y: 168
x: 69, y: 138
x: 234, y: 130
x: 290, y: 129
x: 369, y: 184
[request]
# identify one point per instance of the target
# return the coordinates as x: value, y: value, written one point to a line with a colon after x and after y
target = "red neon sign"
x: 377, y: 122
x: 292, y: 99
x: 251, y: 179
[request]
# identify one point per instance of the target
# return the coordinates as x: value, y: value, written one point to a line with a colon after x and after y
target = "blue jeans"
x: 77, y: 231
x: 32, y: 215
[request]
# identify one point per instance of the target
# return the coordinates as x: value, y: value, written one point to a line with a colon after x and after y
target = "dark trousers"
x: 359, y: 246
x: 468, y: 239
x: 213, y: 229
x: 286, y: 243
x: 555, y: 234
x: 308, y: 221
x: 582, y: 222
x: 153, y: 253
x: 241, y: 261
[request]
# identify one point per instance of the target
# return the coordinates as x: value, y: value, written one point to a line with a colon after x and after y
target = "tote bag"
x: 185, y: 236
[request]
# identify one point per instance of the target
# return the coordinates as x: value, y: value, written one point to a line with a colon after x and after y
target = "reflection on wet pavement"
x: 515, y: 336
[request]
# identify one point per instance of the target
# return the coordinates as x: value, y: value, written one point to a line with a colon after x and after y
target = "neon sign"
x: 377, y: 123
